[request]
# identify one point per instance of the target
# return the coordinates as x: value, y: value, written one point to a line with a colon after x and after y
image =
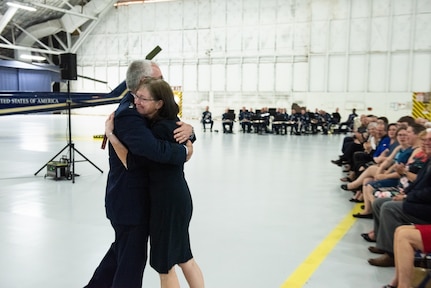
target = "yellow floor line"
x: 300, y: 276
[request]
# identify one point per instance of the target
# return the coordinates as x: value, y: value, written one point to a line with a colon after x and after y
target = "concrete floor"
x: 262, y: 205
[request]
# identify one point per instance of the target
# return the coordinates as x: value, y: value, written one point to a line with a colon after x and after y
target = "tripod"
x: 70, y: 145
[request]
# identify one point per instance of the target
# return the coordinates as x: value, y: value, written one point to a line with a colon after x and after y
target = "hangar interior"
x: 266, y: 206
x: 368, y: 55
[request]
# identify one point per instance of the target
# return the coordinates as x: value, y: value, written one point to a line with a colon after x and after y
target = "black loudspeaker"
x: 56, y: 87
x: 68, y: 66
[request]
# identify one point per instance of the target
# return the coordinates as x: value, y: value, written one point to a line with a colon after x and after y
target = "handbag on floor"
x: 421, y: 277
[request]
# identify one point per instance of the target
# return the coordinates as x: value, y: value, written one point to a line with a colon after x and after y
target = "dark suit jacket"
x: 418, y: 202
x: 127, y: 196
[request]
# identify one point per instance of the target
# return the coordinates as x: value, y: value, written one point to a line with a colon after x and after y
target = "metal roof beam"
x: 63, y: 10
x: 31, y: 49
x: 31, y: 36
x: 7, y: 17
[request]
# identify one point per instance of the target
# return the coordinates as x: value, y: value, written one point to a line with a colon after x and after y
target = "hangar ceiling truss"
x: 47, y: 27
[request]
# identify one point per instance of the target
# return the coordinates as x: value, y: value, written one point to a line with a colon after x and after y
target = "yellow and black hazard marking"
x: 421, y: 105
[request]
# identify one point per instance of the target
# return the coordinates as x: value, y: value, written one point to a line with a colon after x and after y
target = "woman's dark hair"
x: 390, y: 125
x: 160, y: 90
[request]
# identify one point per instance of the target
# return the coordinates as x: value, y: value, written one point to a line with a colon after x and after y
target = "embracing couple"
x: 147, y: 194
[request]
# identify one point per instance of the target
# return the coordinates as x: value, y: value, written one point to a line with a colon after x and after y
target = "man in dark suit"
x: 207, y: 119
x: 127, y: 197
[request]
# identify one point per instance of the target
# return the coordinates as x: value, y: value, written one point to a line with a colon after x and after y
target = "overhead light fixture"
x: 131, y: 2
x: 126, y: 3
x: 33, y: 57
x: 155, y: 1
x: 18, y: 5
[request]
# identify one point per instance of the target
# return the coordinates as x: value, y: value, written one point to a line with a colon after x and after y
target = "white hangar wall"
x: 232, y: 53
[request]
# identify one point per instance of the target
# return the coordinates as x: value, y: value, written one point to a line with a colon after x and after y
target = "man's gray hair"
x: 136, y: 71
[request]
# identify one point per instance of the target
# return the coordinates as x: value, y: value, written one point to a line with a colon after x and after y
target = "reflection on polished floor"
x: 262, y: 204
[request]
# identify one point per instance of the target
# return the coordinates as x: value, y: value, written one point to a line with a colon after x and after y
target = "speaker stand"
x: 70, y: 145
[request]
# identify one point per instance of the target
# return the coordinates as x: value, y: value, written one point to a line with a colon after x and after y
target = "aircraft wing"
x: 32, y: 102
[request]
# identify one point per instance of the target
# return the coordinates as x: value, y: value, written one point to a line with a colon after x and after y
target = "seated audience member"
x: 382, y: 120
x: 293, y: 122
x: 358, y: 144
x: 207, y: 119
x: 304, y: 122
x: 348, y: 125
x: 363, y: 158
x: 324, y: 121
x: 245, y: 120
x: 421, y: 121
x: 313, y: 121
x: 265, y: 115
x: 354, y: 142
x: 385, y: 149
x: 280, y: 121
x: 407, y: 240
x: 336, y: 117
x: 402, y: 175
x: 406, y: 120
x: 258, y: 122
x: 410, y: 206
x: 227, y: 121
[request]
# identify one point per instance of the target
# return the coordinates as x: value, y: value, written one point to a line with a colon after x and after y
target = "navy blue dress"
x: 171, y: 207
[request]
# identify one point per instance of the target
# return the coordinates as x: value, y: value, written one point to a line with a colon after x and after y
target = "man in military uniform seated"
x: 265, y: 115
x: 304, y: 121
x: 293, y: 122
x: 245, y: 120
x: 314, y: 120
x: 207, y: 119
x: 324, y: 121
x: 347, y: 126
x: 279, y: 123
x: 227, y: 121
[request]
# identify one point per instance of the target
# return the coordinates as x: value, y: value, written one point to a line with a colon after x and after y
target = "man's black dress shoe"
x: 383, y: 261
x: 364, y: 216
x: 376, y: 250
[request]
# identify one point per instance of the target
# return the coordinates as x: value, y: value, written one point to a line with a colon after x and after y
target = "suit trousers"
x: 124, y: 263
x: 388, y: 215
